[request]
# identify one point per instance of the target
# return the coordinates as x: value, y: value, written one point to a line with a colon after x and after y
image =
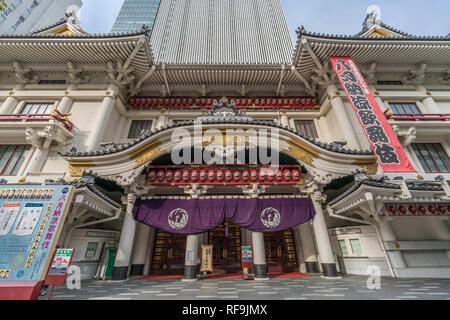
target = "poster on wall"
x: 247, y: 257
x: 385, y: 144
x: 59, y: 268
x: 61, y: 262
x: 31, y: 219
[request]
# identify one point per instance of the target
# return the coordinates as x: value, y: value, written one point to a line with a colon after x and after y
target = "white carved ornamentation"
x: 406, y: 136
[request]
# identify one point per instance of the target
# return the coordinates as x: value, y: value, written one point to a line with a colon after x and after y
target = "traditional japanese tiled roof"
x: 371, y: 20
x: 416, y: 185
x: 37, y: 35
x: 301, y: 32
x: 88, y: 181
x: 117, y: 148
x: 61, y: 23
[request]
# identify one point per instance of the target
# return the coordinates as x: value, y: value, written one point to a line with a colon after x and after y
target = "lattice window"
x: 138, y: 127
x: 12, y: 158
x: 404, y: 108
x: 37, y: 108
x: 307, y: 127
x: 432, y: 157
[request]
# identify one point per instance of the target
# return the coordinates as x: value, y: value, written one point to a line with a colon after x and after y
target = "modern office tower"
x: 198, y: 31
x: 135, y: 14
x: 24, y: 16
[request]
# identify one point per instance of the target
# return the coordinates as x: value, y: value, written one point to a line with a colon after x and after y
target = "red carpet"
x: 226, y: 276
x: 161, y: 277
x: 288, y: 275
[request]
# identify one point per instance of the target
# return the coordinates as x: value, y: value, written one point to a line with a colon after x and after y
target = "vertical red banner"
x: 385, y: 144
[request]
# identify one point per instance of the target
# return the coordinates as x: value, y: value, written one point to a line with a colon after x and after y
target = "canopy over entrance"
x: 200, y: 215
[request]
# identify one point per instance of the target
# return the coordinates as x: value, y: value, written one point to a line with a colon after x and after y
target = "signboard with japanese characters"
x: 60, y: 265
x: 247, y: 257
x: 207, y: 263
x: 31, y: 219
x: 384, y: 142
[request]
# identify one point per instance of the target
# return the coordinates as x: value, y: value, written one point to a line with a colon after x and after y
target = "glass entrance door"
x: 226, y: 241
x: 168, y: 253
x: 281, y: 254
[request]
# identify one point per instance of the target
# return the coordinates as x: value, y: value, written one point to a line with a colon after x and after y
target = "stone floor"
x: 313, y: 288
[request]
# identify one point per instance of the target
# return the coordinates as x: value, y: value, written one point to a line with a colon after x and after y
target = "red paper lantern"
x: 194, y: 175
x: 412, y: 209
x: 203, y: 175
x: 245, y: 175
x: 432, y: 209
x: 291, y: 102
x: 270, y: 175
x: 160, y: 175
x: 279, y: 175
x: 287, y: 175
x: 402, y: 209
x: 220, y: 175
x: 211, y: 175
x: 152, y: 175
x: 177, y: 176
x: 236, y: 175
x: 228, y: 175
x: 422, y: 209
x: 254, y: 175
x: 262, y: 175
x: 186, y: 175
x: 441, y: 209
x: 169, y: 175
x: 295, y: 175
x: 392, y: 210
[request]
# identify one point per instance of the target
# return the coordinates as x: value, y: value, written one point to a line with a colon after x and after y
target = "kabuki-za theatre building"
x: 167, y: 142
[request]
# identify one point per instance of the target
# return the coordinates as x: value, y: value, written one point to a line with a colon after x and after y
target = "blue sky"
x: 418, y: 17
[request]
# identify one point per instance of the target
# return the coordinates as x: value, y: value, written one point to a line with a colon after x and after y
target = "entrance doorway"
x: 168, y: 253
x: 281, y: 254
x: 226, y: 241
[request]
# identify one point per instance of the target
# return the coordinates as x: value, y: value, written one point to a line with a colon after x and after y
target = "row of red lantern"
x: 417, y: 209
x: 147, y: 102
x: 223, y: 176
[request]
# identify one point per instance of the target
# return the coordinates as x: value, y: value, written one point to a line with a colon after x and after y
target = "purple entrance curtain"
x: 201, y: 215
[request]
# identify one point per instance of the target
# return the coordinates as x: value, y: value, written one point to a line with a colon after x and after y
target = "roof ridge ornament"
x: 145, y: 29
x: 224, y: 109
